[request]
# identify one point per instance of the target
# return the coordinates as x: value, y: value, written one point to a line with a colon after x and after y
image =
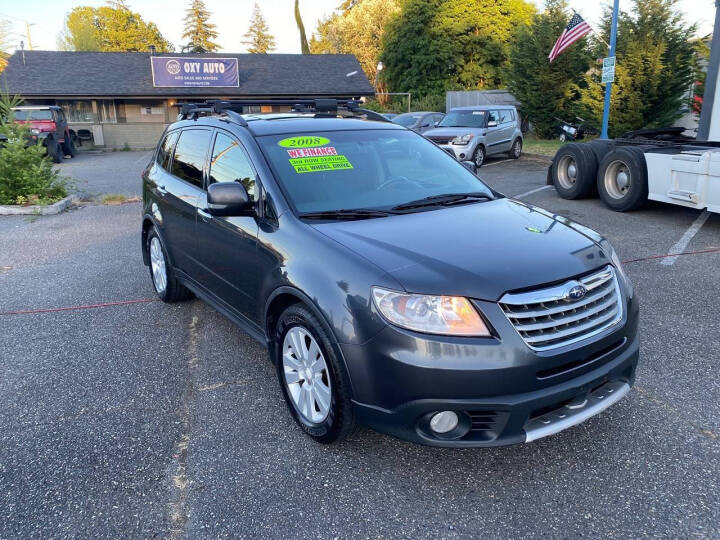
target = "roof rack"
x: 323, y: 108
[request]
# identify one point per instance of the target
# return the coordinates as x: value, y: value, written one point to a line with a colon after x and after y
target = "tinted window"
x: 231, y: 164
x: 25, y: 115
x: 165, y: 151
x: 190, y: 153
x: 407, y: 119
x: 464, y: 119
x: 364, y: 169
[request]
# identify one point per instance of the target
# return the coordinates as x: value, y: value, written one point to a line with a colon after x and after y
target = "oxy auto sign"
x: 186, y: 71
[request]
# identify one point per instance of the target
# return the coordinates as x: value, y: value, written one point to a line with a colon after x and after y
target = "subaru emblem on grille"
x: 576, y: 292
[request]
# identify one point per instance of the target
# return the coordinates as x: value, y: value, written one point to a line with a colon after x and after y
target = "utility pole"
x: 608, y: 86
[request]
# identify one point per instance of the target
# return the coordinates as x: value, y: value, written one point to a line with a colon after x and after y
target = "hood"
x: 453, y: 131
x: 42, y: 125
x: 478, y: 250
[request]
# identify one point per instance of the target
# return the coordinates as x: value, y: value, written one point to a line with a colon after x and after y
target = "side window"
x: 190, y: 153
x: 165, y: 151
x: 231, y: 164
x: 506, y: 116
x: 493, y: 116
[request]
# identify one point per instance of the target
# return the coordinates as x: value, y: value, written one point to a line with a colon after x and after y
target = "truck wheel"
x: 622, y: 179
x: 54, y: 151
x: 573, y: 171
x: 600, y: 148
x: 68, y: 147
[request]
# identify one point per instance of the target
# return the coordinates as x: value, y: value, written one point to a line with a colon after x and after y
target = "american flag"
x: 576, y: 28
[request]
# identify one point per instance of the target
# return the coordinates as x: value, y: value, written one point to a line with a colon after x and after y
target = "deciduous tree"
x: 356, y: 29
x: 198, y: 29
x: 110, y: 28
x: 258, y: 38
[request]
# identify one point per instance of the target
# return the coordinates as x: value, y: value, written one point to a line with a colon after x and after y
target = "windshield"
x: 32, y: 114
x: 474, y: 119
x: 370, y: 169
x: 407, y: 119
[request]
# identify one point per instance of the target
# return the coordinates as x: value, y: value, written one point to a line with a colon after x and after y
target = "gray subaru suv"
x: 473, y: 133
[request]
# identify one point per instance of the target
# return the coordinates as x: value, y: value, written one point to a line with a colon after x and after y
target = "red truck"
x: 49, y: 127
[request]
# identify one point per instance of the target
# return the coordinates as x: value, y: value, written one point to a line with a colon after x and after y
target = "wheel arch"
x: 147, y: 223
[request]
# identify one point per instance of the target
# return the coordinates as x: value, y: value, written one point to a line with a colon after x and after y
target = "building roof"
x: 118, y: 74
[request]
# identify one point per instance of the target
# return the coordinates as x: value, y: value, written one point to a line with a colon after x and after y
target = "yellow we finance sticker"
x: 305, y: 160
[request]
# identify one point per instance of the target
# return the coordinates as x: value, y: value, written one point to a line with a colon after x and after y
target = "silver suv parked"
x: 473, y: 133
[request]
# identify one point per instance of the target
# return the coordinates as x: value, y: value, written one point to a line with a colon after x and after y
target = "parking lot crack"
x: 181, y: 483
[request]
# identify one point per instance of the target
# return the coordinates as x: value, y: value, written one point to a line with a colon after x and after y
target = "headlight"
x: 463, y: 139
x: 449, y: 315
x: 35, y: 131
x: 620, y: 270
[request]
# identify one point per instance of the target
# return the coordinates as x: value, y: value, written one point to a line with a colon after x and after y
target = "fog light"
x: 462, y: 156
x: 443, y: 422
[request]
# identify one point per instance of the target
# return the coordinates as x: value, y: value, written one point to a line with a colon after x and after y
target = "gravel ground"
x: 150, y: 420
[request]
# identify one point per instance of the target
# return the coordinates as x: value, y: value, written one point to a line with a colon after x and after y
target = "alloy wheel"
x: 306, y: 375
x: 158, y: 266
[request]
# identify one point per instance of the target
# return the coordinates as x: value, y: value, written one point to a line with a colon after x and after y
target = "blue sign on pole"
x: 608, y: 86
x: 184, y: 71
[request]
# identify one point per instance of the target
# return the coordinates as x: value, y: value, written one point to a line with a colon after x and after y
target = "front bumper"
x: 461, y: 153
x: 502, y: 391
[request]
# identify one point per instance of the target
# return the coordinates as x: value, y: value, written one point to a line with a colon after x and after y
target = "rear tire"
x: 309, y: 371
x: 622, y: 179
x: 68, y: 147
x: 574, y: 171
x: 54, y: 151
x: 166, y: 285
x: 600, y: 147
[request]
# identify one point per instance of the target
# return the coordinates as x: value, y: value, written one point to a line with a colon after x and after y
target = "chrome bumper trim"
x: 575, y: 412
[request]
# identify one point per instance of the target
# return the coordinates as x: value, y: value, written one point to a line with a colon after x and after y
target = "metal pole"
x: 711, y: 80
x: 608, y: 86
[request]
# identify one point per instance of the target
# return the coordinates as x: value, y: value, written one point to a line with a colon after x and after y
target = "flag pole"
x: 608, y: 86
x: 597, y: 34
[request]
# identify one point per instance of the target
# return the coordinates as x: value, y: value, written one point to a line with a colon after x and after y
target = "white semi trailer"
x: 652, y: 164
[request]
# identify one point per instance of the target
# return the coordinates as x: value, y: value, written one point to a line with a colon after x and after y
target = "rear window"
x: 407, y: 119
x: 26, y: 115
x: 190, y: 153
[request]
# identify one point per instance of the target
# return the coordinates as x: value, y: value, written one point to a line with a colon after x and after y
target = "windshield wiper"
x: 446, y: 199
x: 345, y: 213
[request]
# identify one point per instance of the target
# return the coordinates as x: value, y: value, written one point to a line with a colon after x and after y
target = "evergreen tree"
x: 436, y: 45
x: 654, y: 68
x: 198, y: 29
x: 258, y: 39
x: 304, y: 48
x: 547, y: 90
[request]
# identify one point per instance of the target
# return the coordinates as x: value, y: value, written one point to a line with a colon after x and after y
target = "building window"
x: 78, y: 111
x: 106, y: 111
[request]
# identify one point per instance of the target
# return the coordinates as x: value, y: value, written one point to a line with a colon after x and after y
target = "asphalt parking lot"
x: 138, y: 419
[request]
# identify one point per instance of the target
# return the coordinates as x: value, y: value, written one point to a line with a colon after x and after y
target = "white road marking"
x: 494, y: 163
x: 681, y: 244
x: 531, y: 192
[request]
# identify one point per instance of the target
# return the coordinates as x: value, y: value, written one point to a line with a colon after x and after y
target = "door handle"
x: 206, y: 216
x: 161, y: 190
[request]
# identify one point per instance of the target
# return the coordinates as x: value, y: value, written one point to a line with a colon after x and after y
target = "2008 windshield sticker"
x: 305, y: 141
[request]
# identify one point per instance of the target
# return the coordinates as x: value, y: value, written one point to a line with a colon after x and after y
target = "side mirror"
x: 228, y: 199
x: 492, y: 123
x: 470, y: 166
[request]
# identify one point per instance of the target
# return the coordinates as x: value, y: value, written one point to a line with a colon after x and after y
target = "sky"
x: 232, y: 17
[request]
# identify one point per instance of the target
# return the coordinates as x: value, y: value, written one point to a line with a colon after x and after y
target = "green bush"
x: 26, y: 173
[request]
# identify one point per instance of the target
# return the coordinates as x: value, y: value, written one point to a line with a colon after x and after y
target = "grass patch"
x: 117, y: 198
x: 546, y: 147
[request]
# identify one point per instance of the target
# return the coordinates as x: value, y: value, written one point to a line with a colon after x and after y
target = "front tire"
x: 166, y: 285
x: 516, y: 149
x: 313, y: 381
x: 479, y: 156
